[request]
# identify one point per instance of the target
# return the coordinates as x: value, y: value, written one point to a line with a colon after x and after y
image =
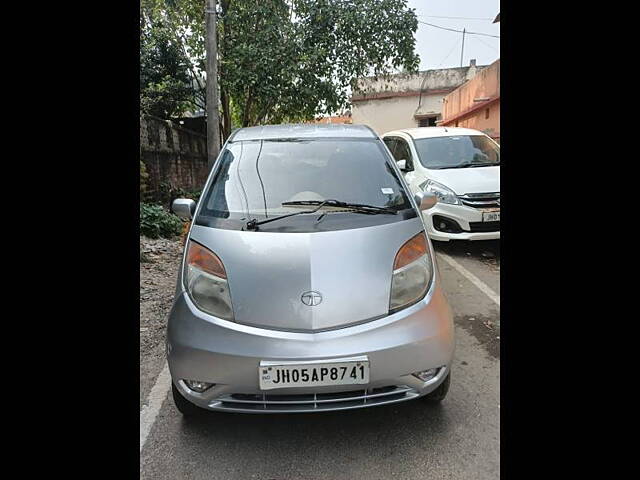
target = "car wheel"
x: 184, y: 406
x: 439, y: 393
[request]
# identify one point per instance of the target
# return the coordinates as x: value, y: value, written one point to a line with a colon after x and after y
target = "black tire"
x: 184, y: 406
x: 439, y: 393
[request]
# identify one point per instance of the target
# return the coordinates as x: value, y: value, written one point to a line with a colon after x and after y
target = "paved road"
x: 456, y: 440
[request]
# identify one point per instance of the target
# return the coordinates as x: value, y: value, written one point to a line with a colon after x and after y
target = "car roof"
x: 322, y: 130
x: 429, y: 132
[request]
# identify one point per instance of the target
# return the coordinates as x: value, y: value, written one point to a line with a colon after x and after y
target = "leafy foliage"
x: 292, y: 60
x: 144, y: 176
x: 166, y: 88
x: 192, y: 194
x: 167, y: 193
x: 156, y: 222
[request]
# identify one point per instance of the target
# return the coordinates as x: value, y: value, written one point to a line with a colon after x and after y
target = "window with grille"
x: 427, y: 122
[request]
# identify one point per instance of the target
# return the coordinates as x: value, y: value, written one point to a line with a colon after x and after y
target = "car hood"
x: 468, y: 180
x: 269, y: 272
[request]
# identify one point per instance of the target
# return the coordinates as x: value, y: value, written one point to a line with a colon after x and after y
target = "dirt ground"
x: 159, y: 263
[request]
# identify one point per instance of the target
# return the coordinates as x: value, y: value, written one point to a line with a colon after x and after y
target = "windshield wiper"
x: 355, y: 207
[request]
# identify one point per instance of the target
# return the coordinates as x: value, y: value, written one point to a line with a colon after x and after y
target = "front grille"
x: 313, y: 402
x: 484, y: 226
x: 481, y: 200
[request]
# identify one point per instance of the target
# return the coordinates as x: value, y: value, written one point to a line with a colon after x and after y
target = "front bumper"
x: 464, y: 216
x: 205, y: 348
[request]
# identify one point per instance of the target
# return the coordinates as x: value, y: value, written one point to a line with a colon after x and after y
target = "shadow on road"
x: 387, y: 420
x: 316, y: 442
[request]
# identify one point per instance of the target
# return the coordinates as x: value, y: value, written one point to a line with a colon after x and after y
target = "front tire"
x: 184, y: 406
x: 439, y: 393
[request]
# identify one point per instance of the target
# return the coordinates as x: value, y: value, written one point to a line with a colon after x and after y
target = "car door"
x: 402, y: 151
x: 390, y: 142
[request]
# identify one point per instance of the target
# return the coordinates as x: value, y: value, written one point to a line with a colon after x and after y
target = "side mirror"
x: 402, y: 165
x: 184, y: 208
x: 425, y: 200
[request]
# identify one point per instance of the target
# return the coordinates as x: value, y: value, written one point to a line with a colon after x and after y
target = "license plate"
x: 314, y: 374
x: 490, y: 216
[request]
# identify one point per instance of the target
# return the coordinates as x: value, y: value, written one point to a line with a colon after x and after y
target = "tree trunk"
x: 264, y: 113
x: 226, y: 115
x: 247, y: 109
x: 213, y: 119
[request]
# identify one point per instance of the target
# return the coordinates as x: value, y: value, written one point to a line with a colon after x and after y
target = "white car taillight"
x: 206, y: 281
x: 412, y: 273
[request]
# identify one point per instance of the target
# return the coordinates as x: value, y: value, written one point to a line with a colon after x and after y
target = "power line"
x: 449, y: 54
x: 456, y: 18
x: 485, y: 43
x: 459, y: 31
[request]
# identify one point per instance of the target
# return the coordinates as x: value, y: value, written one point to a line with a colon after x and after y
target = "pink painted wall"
x: 460, y: 109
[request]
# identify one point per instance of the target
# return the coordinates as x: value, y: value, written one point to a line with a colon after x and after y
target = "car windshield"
x: 255, y: 178
x: 463, y: 151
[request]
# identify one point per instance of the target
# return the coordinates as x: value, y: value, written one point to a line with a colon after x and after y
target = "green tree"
x: 290, y: 60
x: 293, y: 60
x: 166, y: 87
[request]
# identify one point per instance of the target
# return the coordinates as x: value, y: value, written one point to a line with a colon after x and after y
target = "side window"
x: 390, y: 142
x: 403, y: 152
x: 428, y: 121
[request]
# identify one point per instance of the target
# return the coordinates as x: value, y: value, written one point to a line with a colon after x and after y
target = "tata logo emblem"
x: 311, y: 298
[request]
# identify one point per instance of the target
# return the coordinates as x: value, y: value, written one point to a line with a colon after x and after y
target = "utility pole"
x: 213, y: 117
x: 464, y: 30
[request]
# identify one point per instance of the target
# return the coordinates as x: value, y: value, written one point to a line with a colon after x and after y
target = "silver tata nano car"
x: 307, y: 283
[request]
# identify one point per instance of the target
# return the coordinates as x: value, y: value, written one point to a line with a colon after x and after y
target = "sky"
x: 441, y: 48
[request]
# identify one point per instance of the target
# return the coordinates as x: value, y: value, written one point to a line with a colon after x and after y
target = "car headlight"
x: 412, y: 273
x: 206, y: 281
x: 444, y: 194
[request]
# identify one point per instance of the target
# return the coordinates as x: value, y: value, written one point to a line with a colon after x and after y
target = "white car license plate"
x: 317, y: 374
x: 490, y: 216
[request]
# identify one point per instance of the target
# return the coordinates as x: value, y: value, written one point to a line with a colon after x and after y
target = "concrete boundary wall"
x: 173, y: 156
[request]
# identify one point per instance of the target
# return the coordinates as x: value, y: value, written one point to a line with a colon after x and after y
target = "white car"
x: 462, y: 167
